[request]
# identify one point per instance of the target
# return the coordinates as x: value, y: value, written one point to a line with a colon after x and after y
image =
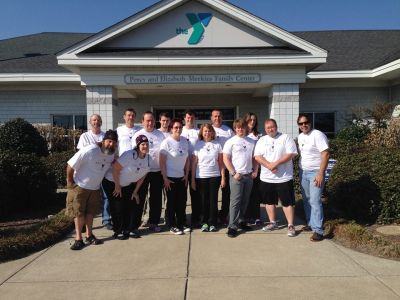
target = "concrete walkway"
x: 255, y: 265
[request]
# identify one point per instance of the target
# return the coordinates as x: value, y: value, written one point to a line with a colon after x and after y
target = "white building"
x: 198, y: 54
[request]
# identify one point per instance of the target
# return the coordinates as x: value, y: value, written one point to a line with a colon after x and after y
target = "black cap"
x: 111, y: 135
x: 141, y: 139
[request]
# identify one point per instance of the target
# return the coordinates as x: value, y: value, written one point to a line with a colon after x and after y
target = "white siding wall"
x: 37, y: 106
x: 340, y: 100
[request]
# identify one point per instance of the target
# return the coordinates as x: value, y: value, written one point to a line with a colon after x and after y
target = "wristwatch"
x: 233, y: 173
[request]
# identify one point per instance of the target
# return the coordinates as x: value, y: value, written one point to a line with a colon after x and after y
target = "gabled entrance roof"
x: 192, y: 32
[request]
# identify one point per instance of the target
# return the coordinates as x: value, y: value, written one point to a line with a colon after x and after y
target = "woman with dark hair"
x: 174, y: 164
x: 253, y: 209
x: 208, y: 175
x: 122, y: 184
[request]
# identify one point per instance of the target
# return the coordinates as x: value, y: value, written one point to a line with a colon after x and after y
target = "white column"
x: 284, y: 107
x: 102, y: 100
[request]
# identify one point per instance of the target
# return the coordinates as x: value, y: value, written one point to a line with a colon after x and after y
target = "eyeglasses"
x: 303, y: 123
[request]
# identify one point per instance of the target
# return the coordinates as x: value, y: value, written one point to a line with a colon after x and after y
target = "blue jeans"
x: 312, y: 200
x: 105, y: 215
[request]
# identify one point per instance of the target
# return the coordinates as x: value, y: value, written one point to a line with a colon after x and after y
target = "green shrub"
x: 25, y: 183
x: 20, y: 136
x: 57, y: 163
x: 354, y: 133
x: 364, y: 186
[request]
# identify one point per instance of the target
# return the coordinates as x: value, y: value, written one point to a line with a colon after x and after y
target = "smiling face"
x: 143, y: 149
x: 176, y: 130
x: 129, y: 118
x: 148, y: 122
x: 216, y: 118
x: 189, y: 120
x: 304, y: 124
x: 270, y: 128
x: 251, y: 122
x: 108, y: 146
x: 95, y: 122
x: 164, y: 121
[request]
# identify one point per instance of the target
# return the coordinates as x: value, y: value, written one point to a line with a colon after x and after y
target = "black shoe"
x: 92, y: 240
x: 134, y: 234
x: 77, y: 245
x: 232, y: 232
x: 316, y: 237
x: 306, y: 228
x: 245, y: 227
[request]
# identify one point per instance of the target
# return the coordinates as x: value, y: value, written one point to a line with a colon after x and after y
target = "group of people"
x: 125, y: 166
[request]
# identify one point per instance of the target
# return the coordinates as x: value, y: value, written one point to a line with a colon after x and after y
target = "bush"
x: 364, y: 186
x: 385, y: 137
x: 20, y: 136
x: 59, y: 139
x: 25, y: 183
x: 355, y: 133
x: 57, y: 163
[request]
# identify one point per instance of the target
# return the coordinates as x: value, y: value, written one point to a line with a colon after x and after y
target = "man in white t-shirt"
x: 154, y: 177
x: 191, y: 133
x: 274, y: 152
x: 165, y: 118
x: 314, y: 151
x: 126, y: 131
x: 85, y: 172
x: 223, y: 133
x: 92, y: 136
x: 242, y: 167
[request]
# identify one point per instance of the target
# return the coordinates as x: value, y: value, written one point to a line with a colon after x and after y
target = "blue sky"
x: 22, y: 17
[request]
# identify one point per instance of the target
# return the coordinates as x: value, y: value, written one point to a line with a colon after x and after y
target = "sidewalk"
x: 255, y: 265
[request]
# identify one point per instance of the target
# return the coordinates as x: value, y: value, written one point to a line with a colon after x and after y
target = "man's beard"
x: 108, y: 151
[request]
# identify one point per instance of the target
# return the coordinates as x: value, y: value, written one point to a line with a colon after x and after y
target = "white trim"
x: 39, y: 77
x: 379, y: 71
x: 192, y: 61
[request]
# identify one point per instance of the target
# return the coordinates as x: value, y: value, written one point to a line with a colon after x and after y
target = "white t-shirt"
x: 192, y: 136
x: 166, y: 134
x: 90, y: 165
x: 89, y: 138
x: 273, y: 149
x: 125, y: 135
x: 133, y: 168
x: 254, y: 137
x: 207, y: 158
x: 222, y: 134
x: 176, y: 154
x: 241, y: 151
x: 155, y: 138
x: 311, y: 145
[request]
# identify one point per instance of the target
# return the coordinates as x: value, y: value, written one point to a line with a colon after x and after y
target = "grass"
x: 361, y: 238
x: 17, y: 242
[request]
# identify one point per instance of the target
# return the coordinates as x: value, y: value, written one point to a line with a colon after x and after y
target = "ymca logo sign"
x: 199, y: 22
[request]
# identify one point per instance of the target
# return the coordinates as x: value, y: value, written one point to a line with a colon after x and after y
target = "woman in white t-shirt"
x: 174, y: 165
x: 253, y: 208
x: 122, y: 184
x: 208, y: 175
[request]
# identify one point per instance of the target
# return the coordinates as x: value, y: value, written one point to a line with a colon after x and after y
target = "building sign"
x: 199, y: 22
x: 192, y: 78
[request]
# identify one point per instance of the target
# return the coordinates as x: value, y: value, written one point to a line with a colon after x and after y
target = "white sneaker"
x: 271, y: 226
x: 187, y: 229
x: 291, y: 231
x: 176, y: 231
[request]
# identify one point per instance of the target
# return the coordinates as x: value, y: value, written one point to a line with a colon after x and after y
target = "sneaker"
x: 291, y: 231
x: 316, y: 237
x: 245, y: 227
x: 123, y: 236
x: 257, y: 222
x: 204, y: 228
x: 213, y: 229
x: 271, y: 226
x: 232, y: 233
x: 187, y: 229
x: 306, y: 228
x: 117, y: 236
x: 134, y: 234
x: 154, y: 228
x: 92, y: 240
x: 77, y: 245
x: 176, y: 231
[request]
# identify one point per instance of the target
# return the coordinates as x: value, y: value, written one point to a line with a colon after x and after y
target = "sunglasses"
x: 303, y: 123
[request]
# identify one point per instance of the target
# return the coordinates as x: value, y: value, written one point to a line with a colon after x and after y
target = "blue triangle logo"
x: 205, y: 18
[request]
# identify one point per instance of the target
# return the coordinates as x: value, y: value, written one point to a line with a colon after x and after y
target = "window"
x: 323, y: 121
x: 70, y: 121
x: 202, y: 114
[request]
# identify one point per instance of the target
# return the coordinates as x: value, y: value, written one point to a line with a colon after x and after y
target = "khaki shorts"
x: 81, y: 202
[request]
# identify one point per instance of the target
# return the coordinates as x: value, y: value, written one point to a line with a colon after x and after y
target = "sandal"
x: 92, y: 240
